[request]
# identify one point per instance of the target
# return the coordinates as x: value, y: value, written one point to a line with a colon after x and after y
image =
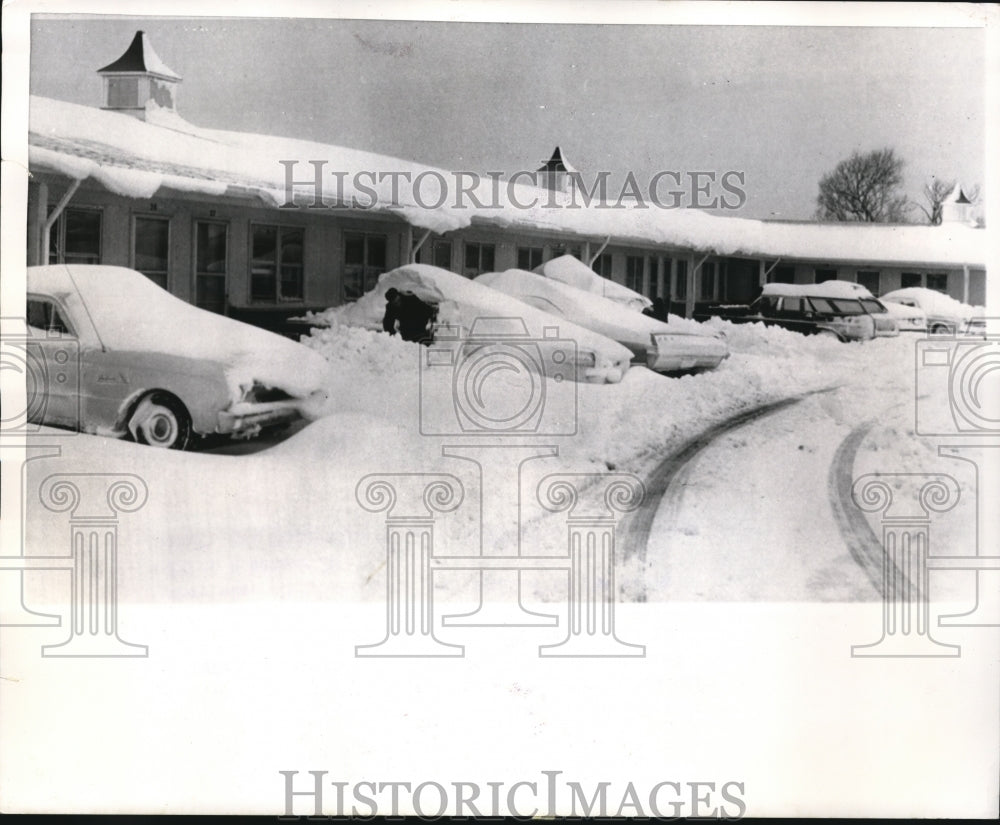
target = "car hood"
x: 130, y: 313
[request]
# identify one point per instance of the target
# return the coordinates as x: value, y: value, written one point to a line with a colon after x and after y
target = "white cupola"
x: 139, y: 78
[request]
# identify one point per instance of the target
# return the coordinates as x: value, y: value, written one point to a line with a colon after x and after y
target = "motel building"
x: 206, y: 214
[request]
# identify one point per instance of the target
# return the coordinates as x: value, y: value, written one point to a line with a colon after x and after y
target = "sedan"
x: 663, y: 347
x: 112, y: 353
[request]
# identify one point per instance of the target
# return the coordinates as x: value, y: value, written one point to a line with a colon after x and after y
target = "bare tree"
x: 934, y: 193
x: 865, y: 187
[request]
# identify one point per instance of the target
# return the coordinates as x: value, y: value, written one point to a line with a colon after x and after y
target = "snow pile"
x: 465, y: 305
x: 568, y: 270
x: 130, y: 313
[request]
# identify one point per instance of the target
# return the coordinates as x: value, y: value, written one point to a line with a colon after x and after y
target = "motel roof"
x: 137, y: 158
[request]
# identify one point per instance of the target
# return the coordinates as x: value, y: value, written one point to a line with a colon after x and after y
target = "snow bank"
x: 462, y: 302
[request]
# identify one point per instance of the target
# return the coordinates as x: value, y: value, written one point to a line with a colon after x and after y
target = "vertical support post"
x: 37, y: 255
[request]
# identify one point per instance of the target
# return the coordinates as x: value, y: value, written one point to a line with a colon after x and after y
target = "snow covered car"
x: 114, y: 354
x: 908, y: 318
x: 945, y: 315
x: 464, y: 305
x: 568, y: 270
x: 660, y: 346
x: 804, y: 308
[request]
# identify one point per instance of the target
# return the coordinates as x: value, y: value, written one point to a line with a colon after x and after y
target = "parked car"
x: 945, y: 315
x: 113, y: 353
x: 465, y: 306
x: 908, y: 318
x: 568, y: 270
x: 805, y: 309
x: 886, y: 325
x: 660, y: 346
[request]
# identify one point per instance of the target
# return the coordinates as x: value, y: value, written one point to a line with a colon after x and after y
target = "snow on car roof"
x: 827, y: 289
x: 569, y: 270
x: 934, y: 302
x: 461, y: 302
x: 136, y: 158
x: 131, y: 313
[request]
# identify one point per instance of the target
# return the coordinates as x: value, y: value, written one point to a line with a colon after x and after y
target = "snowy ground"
x: 749, y: 519
x: 252, y: 577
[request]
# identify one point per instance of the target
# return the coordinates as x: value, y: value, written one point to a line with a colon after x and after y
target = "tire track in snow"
x: 665, y: 483
x: 864, y: 546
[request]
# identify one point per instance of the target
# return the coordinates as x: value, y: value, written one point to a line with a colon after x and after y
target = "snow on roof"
x: 826, y: 289
x: 140, y: 57
x: 134, y: 158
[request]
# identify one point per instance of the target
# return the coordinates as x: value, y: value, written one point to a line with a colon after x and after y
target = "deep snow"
x: 284, y: 523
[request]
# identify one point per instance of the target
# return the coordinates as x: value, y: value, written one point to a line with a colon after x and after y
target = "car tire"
x: 161, y: 420
x: 940, y: 329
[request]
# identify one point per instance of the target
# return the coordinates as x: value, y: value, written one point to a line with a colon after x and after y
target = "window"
x: 821, y: 305
x: 908, y: 279
x: 75, y: 238
x: 706, y: 281
x: 791, y: 306
x: 441, y: 254
x: 564, y: 249
x: 680, y: 284
x: 654, y: 280
x: 478, y: 259
x: 123, y: 92
x: 870, y: 280
x: 602, y: 265
x: 781, y: 275
x: 633, y: 272
x: 825, y: 274
x: 364, y: 261
x: 151, y: 247
x: 276, y: 270
x: 529, y: 257
x: 44, y: 314
x: 938, y: 281
x: 211, y: 253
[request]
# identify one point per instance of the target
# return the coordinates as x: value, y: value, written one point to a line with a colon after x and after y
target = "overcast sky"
x: 781, y: 104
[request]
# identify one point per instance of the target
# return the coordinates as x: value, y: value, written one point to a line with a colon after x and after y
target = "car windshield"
x: 873, y: 306
x: 847, y: 307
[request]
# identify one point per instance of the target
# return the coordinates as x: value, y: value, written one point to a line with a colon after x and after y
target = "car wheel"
x: 160, y: 420
x: 940, y: 329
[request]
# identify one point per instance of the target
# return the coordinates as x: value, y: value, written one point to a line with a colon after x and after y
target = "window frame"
x: 144, y: 216
x: 58, y: 233
x: 479, y: 246
x: 278, y: 297
x: 365, y: 266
